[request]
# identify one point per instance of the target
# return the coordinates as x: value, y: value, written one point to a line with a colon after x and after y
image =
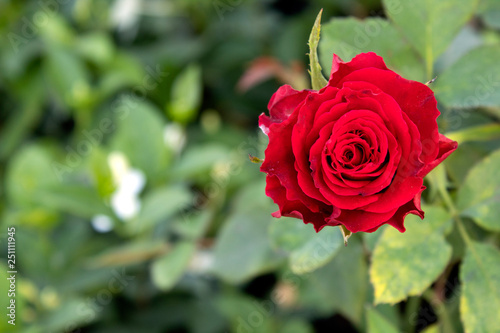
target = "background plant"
x: 125, y: 129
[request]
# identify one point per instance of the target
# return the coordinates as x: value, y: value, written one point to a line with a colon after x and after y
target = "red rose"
x: 356, y: 152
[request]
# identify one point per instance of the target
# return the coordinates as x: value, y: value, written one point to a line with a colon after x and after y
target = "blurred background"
x: 125, y: 129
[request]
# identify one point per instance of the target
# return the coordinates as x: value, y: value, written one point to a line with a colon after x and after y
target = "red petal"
x: 446, y: 147
x: 414, y: 98
x: 363, y: 60
x: 358, y: 220
x: 281, y: 106
x: 296, y: 209
x: 411, y: 207
x: 280, y: 162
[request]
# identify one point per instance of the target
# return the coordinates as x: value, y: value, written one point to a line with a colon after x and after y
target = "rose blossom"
x: 355, y: 152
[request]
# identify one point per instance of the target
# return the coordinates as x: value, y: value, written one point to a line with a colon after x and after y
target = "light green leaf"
x: 97, y: 47
x: 430, y: 26
x: 243, y: 248
x: 320, y: 248
x: 378, y: 323
x: 128, y: 254
x: 140, y: 137
x: 472, y: 81
x: 318, y: 81
x: 479, y: 196
x: 29, y: 174
x: 480, y: 299
x: 5, y: 300
x: 186, y: 95
x: 68, y: 76
x: 431, y: 329
x: 167, y: 270
x: 476, y: 133
x: 101, y: 173
x: 348, y: 37
x: 405, y: 264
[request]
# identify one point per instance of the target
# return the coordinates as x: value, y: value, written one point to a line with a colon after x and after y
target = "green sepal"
x: 318, y: 81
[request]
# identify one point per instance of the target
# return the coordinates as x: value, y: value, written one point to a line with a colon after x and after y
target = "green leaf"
x: 243, y: 248
x: 128, y: 254
x: 463, y: 159
x: 296, y: 326
x: 73, y: 312
x: 489, y: 11
x: 167, y: 270
x: 308, y: 250
x: 5, y: 300
x: 22, y: 120
x: 472, y: 81
x: 289, y: 234
x: 320, y: 248
x: 343, y: 282
x: 371, y: 239
x: 198, y: 160
x: 479, y: 196
x: 376, y: 323
x: 480, y: 299
x: 140, y: 137
x: 29, y: 174
x: 318, y: 81
x: 101, y: 173
x: 431, y: 329
x: 186, y: 95
x: 193, y: 224
x: 430, y: 26
x: 74, y: 199
x: 348, y: 37
x: 159, y: 205
x: 405, y: 264
x: 68, y: 76
x: 246, y: 314
x: 97, y: 47
x: 476, y: 133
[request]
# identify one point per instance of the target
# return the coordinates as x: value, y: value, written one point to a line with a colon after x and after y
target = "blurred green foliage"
x: 124, y: 169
